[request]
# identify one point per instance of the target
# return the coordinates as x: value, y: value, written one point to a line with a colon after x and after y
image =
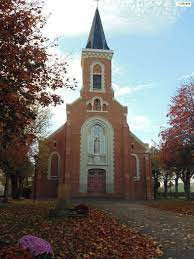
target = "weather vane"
x: 97, y: 2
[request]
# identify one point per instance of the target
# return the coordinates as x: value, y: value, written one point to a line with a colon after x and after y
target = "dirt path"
x: 174, y: 232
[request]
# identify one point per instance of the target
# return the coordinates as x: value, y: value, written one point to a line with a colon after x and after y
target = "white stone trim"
x: 96, y: 111
x: 109, y: 166
x: 137, y: 177
x: 102, y: 74
x: 96, y: 53
x: 49, y: 166
x: 98, y: 50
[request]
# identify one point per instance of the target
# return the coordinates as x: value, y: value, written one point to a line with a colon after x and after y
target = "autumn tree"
x: 177, y: 140
x: 29, y: 76
x: 156, y: 172
x: 26, y: 167
x: 22, y: 172
x: 11, y: 158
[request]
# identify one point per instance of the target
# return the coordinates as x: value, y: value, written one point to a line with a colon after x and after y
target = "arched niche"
x: 99, y: 154
x: 54, y: 165
x: 136, y: 167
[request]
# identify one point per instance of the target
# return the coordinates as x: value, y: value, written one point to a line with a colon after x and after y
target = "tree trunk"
x: 187, y: 187
x: 14, y: 186
x: 165, y: 187
x: 20, y: 187
x: 176, y: 186
x: 6, y: 190
x: 156, y: 186
x: 35, y: 182
x: 27, y: 182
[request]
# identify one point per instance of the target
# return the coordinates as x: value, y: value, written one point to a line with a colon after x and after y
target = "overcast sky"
x: 153, y: 43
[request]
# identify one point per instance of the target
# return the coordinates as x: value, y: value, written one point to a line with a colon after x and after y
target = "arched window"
x: 104, y: 108
x: 54, y: 166
x: 97, y: 77
x: 89, y: 107
x: 97, y: 105
x: 135, y: 166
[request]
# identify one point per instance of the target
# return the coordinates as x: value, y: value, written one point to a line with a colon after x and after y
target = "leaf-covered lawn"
x: 177, y: 206
x: 97, y: 236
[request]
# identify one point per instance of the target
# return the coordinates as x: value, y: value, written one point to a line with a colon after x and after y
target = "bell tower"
x: 96, y: 62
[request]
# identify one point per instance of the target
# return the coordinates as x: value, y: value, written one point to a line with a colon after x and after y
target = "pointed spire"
x: 97, y: 38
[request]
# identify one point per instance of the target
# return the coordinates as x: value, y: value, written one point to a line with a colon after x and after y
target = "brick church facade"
x: 94, y: 152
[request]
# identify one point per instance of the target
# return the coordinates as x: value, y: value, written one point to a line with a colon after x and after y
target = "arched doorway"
x: 96, y: 181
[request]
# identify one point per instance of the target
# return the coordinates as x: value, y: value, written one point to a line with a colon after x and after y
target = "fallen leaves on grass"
x: 15, y: 252
x: 180, y: 207
x: 97, y: 236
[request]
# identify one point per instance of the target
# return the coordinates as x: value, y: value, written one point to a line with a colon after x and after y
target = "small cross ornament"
x: 97, y: 2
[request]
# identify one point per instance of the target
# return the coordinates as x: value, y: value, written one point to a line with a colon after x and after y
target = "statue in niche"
x: 96, y: 141
x: 96, y: 145
x: 97, y: 105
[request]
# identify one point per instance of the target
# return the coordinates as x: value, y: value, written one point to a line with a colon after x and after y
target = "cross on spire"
x: 97, y: 2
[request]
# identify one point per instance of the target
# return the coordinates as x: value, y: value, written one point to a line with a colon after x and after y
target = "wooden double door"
x: 96, y: 181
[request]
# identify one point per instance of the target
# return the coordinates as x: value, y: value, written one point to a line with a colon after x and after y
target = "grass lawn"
x: 174, y: 205
x: 96, y: 236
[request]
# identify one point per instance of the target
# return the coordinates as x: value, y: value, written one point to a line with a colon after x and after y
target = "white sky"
x: 72, y: 18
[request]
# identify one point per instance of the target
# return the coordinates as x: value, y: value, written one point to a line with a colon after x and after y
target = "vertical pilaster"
x: 126, y: 163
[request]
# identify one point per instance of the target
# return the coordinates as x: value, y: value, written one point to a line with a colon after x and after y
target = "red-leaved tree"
x: 29, y: 75
x: 177, y: 140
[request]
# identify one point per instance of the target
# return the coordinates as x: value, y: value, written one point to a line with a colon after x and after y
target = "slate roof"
x: 97, y: 39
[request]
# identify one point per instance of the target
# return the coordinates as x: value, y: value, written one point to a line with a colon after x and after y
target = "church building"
x: 95, y: 152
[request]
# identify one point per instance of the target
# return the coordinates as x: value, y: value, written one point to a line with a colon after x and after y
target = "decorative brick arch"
x: 137, y: 177
x: 50, y: 176
x: 90, y: 104
x: 108, y: 165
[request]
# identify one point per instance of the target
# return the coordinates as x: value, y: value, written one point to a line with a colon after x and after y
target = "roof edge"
x: 145, y: 145
x: 57, y: 131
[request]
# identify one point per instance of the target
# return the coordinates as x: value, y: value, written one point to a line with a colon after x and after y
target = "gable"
x: 138, y: 143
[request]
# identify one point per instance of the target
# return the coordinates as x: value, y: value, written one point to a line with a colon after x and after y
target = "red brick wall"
x: 48, y: 188
x: 68, y: 143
